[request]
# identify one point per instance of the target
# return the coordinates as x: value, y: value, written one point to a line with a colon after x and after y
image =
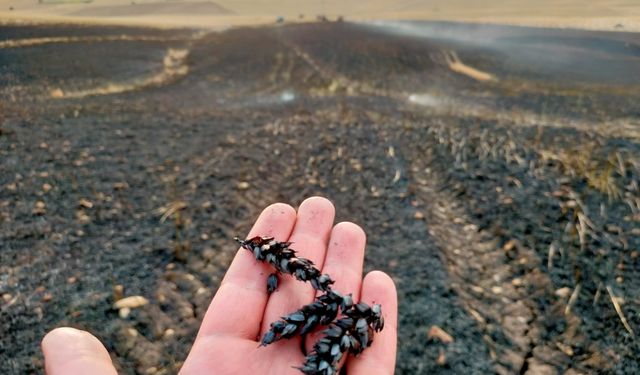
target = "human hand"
x: 242, y: 311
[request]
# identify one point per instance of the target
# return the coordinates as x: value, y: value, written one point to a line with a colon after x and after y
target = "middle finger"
x: 309, y: 238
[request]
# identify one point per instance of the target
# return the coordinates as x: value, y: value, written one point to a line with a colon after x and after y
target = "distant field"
x: 165, y: 8
x: 620, y: 15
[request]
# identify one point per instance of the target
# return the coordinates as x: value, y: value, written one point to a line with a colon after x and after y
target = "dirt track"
x: 463, y: 190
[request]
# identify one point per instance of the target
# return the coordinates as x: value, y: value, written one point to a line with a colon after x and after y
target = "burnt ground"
x: 507, y: 212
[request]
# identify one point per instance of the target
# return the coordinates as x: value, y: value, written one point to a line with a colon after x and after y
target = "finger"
x: 310, y: 236
x: 343, y: 262
x: 344, y: 258
x: 380, y: 358
x: 238, y: 306
x: 69, y: 351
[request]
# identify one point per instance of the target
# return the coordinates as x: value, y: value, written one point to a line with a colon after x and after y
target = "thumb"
x: 68, y: 351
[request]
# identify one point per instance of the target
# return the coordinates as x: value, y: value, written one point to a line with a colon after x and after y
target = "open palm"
x: 241, y: 311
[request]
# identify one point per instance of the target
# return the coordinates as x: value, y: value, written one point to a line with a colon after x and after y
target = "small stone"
x: 418, y: 215
x: 39, y: 208
x: 509, y: 245
x: 438, y: 333
x: 124, y: 312
x: 356, y: 165
x: 82, y: 217
x: 168, y: 333
x: 6, y: 297
x: 567, y: 349
x: 161, y: 298
x: 46, y: 187
x: 619, y: 280
x: 563, y: 292
x: 186, y: 312
x: 243, y: 185
x: 131, y: 332
x: 204, y: 236
x: 131, y: 302
x: 496, y: 290
x: 85, y: 203
x: 47, y: 297
x: 72, y: 280
x: 151, y: 370
x: 442, y: 359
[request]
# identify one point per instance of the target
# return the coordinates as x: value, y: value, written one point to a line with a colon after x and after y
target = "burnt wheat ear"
x: 351, y: 333
x: 322, y: 311
x: 284, y: 260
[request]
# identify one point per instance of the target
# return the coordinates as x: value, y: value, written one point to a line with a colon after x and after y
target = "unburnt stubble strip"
x: 351, y: 333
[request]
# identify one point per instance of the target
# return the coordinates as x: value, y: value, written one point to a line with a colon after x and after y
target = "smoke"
x: 554, y: 55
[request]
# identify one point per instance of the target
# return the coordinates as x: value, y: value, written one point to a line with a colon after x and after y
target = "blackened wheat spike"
x: 322, y: 311
x: 272, y: 283
x: 284, y: 259
x: 350, y: 334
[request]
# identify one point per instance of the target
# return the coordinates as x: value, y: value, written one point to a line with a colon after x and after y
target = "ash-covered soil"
x: 507, y: 211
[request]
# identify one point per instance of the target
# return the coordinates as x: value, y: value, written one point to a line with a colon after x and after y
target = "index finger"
x: 239, y: 303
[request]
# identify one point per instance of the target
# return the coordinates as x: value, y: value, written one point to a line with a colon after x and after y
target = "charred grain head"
x: 351, y: 334
x: 284, y: 260
x: 351, y: 327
